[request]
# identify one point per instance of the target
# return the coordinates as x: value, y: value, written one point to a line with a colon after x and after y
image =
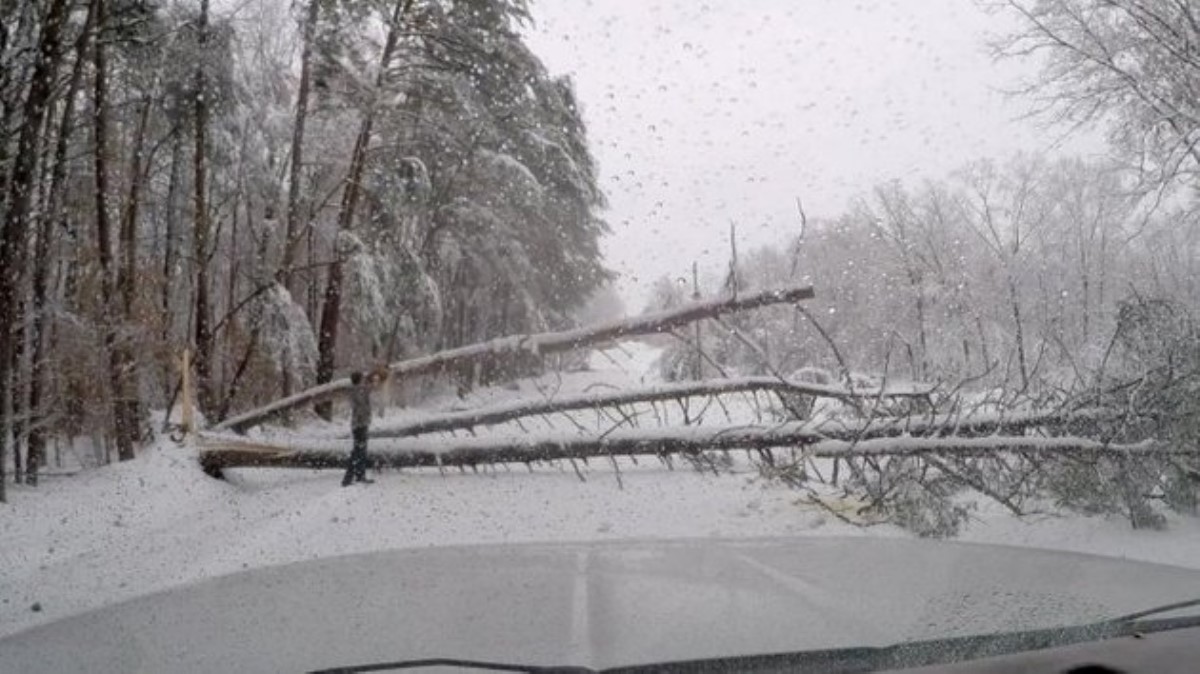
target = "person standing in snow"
x: 360, y: 421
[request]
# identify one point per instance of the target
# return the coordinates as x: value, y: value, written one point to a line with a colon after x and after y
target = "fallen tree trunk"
x: 815, y: 439
x: 498, y: 414
x: 542, y: 343
x: 274, y: 456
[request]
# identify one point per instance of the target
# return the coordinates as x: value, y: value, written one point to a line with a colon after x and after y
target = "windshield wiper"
x: 1165, y: 608
x: 859, y: 659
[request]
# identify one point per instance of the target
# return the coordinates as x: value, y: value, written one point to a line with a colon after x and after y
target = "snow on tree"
x: 287, y: 338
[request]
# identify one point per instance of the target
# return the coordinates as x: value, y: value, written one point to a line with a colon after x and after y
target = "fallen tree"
x: 542, y: 344
x: 935, y: 435
x: 498, y: 414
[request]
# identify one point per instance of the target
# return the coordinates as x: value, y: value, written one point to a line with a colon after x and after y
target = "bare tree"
x: 1129, y: 64
x: 908, y: 228
x: 1005, y: 211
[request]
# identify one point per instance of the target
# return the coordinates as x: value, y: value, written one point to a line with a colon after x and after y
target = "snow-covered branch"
x: 977, y: 436
x: 712, y: 387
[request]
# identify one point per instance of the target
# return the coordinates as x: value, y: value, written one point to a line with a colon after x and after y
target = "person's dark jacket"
x: 360, y: 405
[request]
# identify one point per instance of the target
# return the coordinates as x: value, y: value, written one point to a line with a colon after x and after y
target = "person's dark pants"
x: 356, y: 470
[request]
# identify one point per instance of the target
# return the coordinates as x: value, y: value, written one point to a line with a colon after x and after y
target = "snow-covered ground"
x: 109, y: 534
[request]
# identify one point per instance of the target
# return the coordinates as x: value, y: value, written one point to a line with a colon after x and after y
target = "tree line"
x: 1012, y: 273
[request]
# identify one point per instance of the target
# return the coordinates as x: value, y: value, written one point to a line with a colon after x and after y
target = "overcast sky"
x: 706, y: 113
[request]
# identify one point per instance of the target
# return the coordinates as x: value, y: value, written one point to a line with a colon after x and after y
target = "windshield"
x: 288, y: 282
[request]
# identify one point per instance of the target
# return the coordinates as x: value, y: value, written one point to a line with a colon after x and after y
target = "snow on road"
x: 156, y: 522
x: 81, y: 542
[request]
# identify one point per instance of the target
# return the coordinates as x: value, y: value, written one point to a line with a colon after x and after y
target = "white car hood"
x: 596, y: 605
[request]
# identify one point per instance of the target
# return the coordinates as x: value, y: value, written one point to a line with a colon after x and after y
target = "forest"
x: 287, y: 190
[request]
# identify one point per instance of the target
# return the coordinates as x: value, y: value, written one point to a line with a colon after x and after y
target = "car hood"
x: 596, y: 604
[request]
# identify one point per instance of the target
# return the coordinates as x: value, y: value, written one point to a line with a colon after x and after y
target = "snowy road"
x: 110, y: 534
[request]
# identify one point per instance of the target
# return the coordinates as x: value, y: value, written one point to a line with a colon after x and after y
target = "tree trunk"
x: 20, y: 382
x: 54, y: 213
x: 202, y: 334
x: 922, y: 369
x: 126, y: 280
x: 331, y: 309
x: 1015, y: 306
x: 20, y: 190
x: 15, y: 408
x: 293, y: 228
x: 171, y: 250
x: 223, y: 328
x: 332, y: 306
x: 311, y: 307
x: 119, y: 357
x: 4, y: 412
x: 130, y: 405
